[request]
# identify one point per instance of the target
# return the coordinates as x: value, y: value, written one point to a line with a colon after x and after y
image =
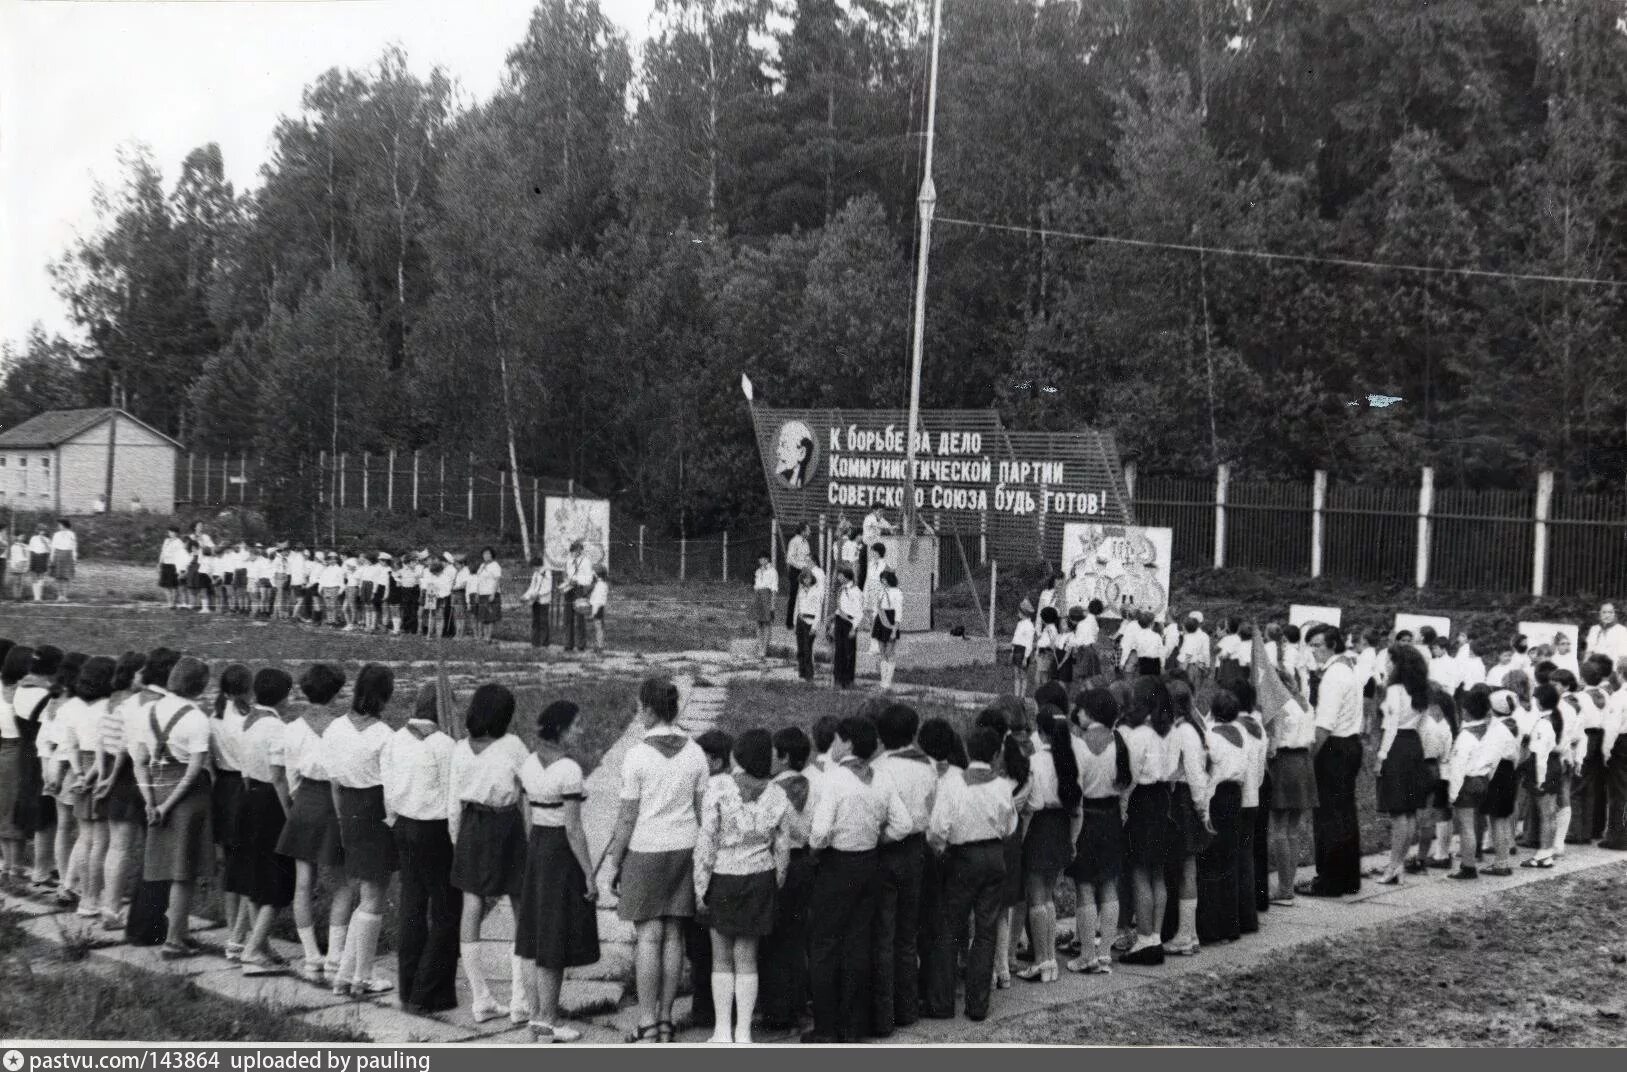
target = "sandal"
x: 173, y: 951
x: 646, y: 1033
x: 665, y: 1031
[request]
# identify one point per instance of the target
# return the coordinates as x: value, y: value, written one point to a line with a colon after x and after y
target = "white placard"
x: 1415, y: 622
x: 1540, y: 633
x: 567, y: 520
x: 1302, y: 615
x: 1124, y: 566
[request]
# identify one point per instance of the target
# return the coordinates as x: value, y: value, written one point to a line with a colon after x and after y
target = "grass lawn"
x: 48, y: 994
x: 1543, y: 966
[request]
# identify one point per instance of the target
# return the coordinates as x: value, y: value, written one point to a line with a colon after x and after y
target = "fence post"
x: 641, y: 545
x: 242, y: 478
x: 367, y: 471
x: 225, y: 479
x: 344, y: 463
x: 994, y: 590
x: 191, y: 496
x: 322, y: 485
x: 1130, y: 480
x: 725, y: 555
x: 1539, y: 553
x: 389, y: 494
x: 470, y: 507
x: 415, y: 482
x: 1426, y: 505
x: 1319, y: 500
x: 683, y: 558
x: 1223, y: 477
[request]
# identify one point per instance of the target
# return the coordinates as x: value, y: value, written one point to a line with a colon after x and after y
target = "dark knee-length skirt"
x: 311, y: 833
x: 1047, y: 848
x: 1293, y: 781
x: 369, y: 847
x: 1147, y: 827
x: 124, y: 802
x: 657, y: 885
x: 555, y: 926
x: 1011, y: 886
x: 1501, y: 792
x: 1187, y: 835
x: 1403, y: 779
x: 742, y: 906
x: 1099, y: 855
x: 489, y: 858
x: 256, y: 869
x: 224, y: 802
x: 11, y: 769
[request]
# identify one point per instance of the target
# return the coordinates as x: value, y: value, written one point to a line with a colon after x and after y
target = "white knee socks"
x: 522, y: 994
x: 1562, y: 829
x: 364, y: 931
x: 485, y: 1006
x: 745, y: 999
x: 723, y: 1005
x: 336, y: 948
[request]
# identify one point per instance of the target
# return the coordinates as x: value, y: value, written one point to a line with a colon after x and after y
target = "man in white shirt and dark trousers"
x: 798, y: 557
x: 1336, y: 695
x: 808, y: 601
x: 904, y: 769
x: 578, y: 585
x: 854, y: 813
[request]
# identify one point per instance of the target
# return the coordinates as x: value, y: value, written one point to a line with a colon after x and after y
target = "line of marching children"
x: 410, y: 593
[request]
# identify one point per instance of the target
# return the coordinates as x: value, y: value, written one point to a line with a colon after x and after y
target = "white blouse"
x: 418, y: 772
x: 354, y: 753
x: 187, y: 738
x: 263, y: 740
x: 548, y: 788
x: 489, y: 777
x: 305, y: 748
x: 1097, y: 770
x: 226, y: 739
x: 665, y: 789
x: 1146, y: 754
x: 741, y: 837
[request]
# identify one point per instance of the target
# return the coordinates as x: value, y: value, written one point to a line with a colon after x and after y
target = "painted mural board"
x: 1124, y: 566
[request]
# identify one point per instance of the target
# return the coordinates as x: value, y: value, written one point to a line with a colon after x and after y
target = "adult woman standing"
x: 889, y: 625
x: 652, y: 851
x: 556, y: 925
x: 487, y: 587
x: 355, y: 744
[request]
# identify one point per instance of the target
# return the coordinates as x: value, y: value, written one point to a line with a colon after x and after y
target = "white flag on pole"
x: 745, y: 386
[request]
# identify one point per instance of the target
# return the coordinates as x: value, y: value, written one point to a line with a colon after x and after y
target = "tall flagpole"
x: 927, y: 202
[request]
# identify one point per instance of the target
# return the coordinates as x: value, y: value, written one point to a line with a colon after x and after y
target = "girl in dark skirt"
x: 488, y: 838
x: 1252, y: 865
x: 311, y: 835
x: 1219, y: 913
x: 1048, y: 842
x: 126, y: 809
x: 13, y: 669
x: 1437, y: 730
x: 355, y: 744
x: 180, y: 848
x: 96, y: 690
x: 1145, y: 729
x: 1502, y: 792
x: 1404, y: 783
x: 263, y: 876
x: 1009, y: 718
x: 557, y: 926
x: 35, y: 813
x: 740, y: 862
x: 1104, y: 772
x: 1190, y: 829
x: 233, y: 701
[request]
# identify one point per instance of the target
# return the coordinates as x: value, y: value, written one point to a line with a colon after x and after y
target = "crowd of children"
x: 406, y: 593
x: 875, y: 872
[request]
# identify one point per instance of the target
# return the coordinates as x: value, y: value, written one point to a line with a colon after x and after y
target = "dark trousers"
x: 1587, y: 793
x: 1262, y: 849
x: 896, y: 999
x: 846, y: 653
x: 793, y: 585
x: 1218, y: 909
x: 1615, y: 792
x: 539, y: 624
x: 1338, y: 833
x: 427, y: 940
x: 574, y: 623
x: 409, y: 609
x: 698, y: 948
x: 937, y: 975
x: 840, y: 922
x: 972, y: 878
x: 1248, y: 911
x: 805, y: 646
x: 449, y: 626
x: 782, y: 958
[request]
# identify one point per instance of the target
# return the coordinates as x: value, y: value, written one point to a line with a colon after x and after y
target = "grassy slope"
x: 1543, y: 966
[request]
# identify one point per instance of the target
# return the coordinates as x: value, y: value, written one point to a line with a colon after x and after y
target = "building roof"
x: 55, y: 427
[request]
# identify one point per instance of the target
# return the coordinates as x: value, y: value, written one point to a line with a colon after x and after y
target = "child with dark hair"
x: 1543, y: 772
x: 81, y: 736
x: 311, y: 835
x: 35, y: 813
x: 233, y: 700
x: 854, y: 813
x: 1145, y: 728
x: 717, y: 745
x: 1187, y: 754
x: 971, y: 817
x: 1219, y: 913
x: 1253, y: 837
x: 177, y: 790
x: 1587, y: 786
x: 265, y: 878
x: 488, y: 838
x: 356, y: 744
x: 557, y: 926
x: 1404, y: 778
x: 1048, y: 841
x: 1098, y: 857
x: 903, y: 768
x: 947, y: 753
x: 783, y: 954
x: 14, y: 766
x: 740, y: 862
x: 56, y: 742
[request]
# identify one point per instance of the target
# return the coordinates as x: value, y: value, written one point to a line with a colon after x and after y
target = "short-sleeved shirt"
x: 486, y: 579
x: 664, y: 773
x: 354, y: 754
x: 417, y: 767
x: 189, y: 736
x: 264, y: 737
x: 226, y: 739
x: 490, y: 777
x: 305, y: 748
x: 548, y: 788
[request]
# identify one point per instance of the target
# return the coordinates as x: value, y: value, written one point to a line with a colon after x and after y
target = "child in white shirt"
x: 1022, y: 649
x: 598, y: 597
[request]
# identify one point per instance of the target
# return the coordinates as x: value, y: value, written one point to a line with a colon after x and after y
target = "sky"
x: 80, y: 78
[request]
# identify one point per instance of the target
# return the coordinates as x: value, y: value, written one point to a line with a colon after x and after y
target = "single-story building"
x: 78, y: 461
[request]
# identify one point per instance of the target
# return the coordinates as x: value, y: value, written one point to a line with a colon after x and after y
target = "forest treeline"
x: 583, y: 265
